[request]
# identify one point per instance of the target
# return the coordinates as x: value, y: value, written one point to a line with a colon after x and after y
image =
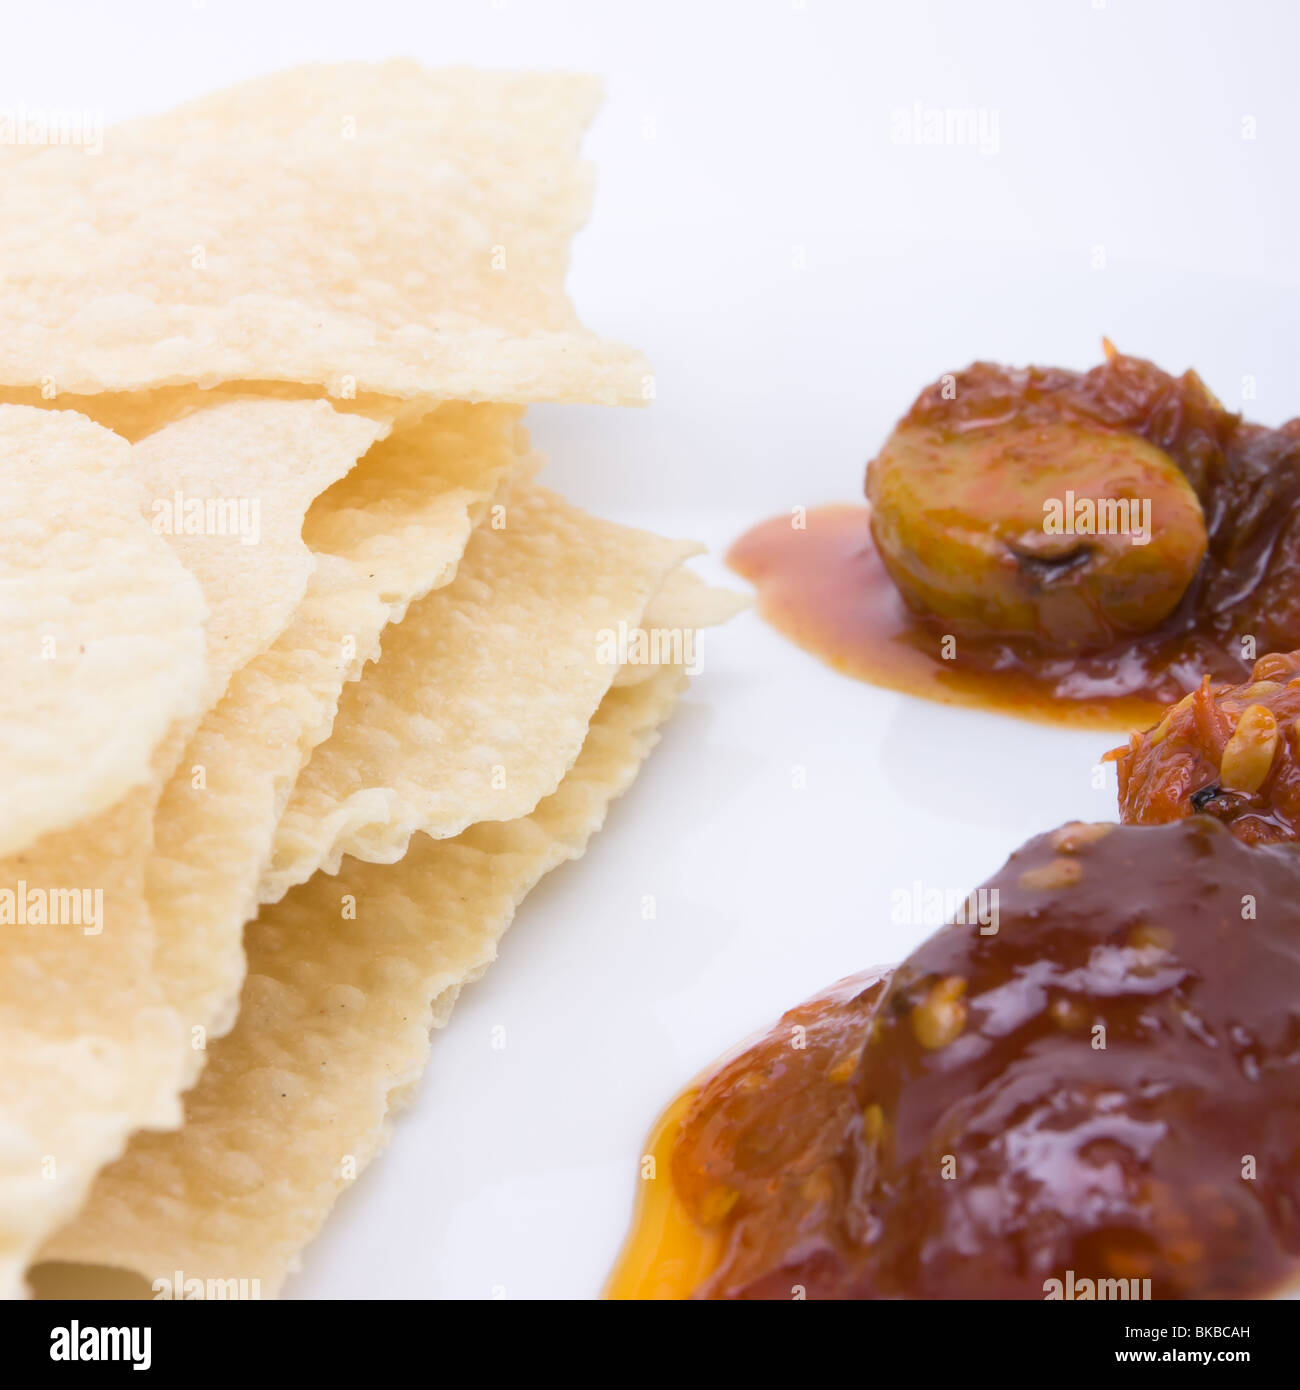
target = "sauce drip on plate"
x: 667, y: 1255
x: 824, y: 586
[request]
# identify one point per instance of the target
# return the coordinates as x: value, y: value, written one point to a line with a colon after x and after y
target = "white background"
x: 796, y: 273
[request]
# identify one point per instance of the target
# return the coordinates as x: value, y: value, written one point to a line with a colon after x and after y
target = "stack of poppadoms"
x: 307, y: 679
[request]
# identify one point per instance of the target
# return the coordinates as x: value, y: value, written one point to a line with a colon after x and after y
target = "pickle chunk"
x: 1064, y: 533
x: 1227, y: 751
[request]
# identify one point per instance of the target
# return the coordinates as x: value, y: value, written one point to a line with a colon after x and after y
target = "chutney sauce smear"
x: 1106, y: 1087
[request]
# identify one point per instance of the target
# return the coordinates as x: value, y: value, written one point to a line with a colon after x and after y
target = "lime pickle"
x: 973, y: 576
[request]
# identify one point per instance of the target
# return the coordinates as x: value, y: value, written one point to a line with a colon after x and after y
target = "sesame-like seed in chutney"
x: 948, y: 586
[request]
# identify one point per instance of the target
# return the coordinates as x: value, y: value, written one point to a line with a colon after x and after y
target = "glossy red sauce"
x: 1107, y: 1087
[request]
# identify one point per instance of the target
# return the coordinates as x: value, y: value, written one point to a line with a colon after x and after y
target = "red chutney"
x: 825, y: 585
x: 1232, y: 752
x: 959, y: 1131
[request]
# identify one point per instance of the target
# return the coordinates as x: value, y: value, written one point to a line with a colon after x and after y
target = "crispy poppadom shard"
x: 687, y: 602
x: 86, y: 1041
x: 92, y: 1045
x: 333, y: 1029
x: 483, y: 697
x: 211, y: 842
x: 672, y: 623
x: 104, y: 635
x: 229, y: 488
x: 404, y: 518
x: 364, y: 227
x: 101, y: 629
x: 431, y: 485
x: 136, y: 414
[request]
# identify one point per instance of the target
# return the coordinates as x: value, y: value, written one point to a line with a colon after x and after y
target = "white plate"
x: 796, y: 274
